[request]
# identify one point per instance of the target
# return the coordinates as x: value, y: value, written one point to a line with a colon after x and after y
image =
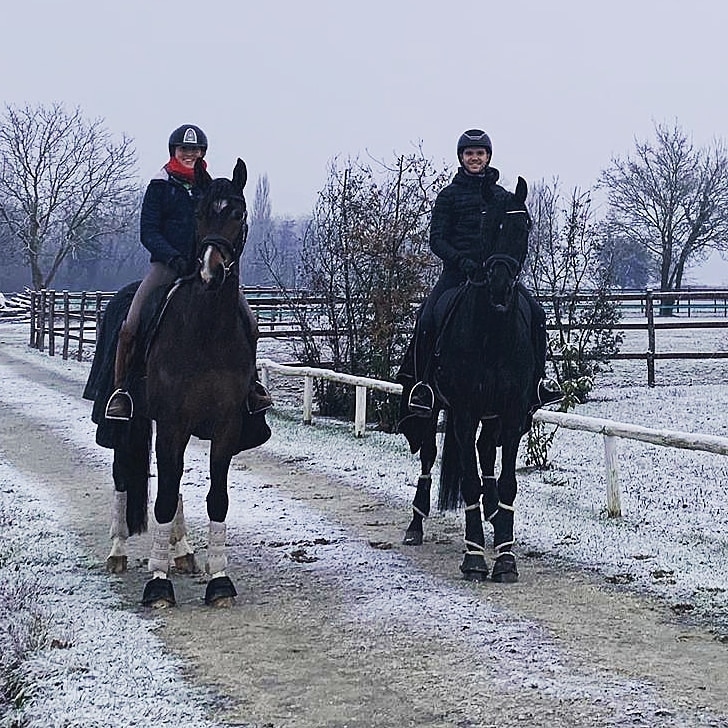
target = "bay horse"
x: 196, y: 370
x: 483, y: 377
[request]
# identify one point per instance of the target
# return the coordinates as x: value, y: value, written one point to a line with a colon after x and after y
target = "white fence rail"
x: 609, y: 429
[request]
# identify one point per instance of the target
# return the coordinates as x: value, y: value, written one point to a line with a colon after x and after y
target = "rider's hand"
x: 467, y: 266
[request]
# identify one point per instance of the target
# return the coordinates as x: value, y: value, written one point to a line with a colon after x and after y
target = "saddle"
x: 100, y: 382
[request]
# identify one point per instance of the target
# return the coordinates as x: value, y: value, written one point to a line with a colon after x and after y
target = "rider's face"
x: 187, y: 156
x: 475, y: 159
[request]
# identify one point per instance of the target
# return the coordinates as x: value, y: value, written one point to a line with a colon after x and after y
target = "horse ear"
x: 240, y: 174
x: 521, y: 190
x: 202, y: 176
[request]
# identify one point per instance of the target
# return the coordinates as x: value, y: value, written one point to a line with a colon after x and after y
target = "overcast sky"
x: 560, y: 85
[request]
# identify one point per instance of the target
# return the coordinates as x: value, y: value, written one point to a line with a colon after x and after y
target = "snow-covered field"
x: 672, y: 540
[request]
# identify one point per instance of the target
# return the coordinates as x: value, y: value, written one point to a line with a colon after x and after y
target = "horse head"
x: 509, y: 248
x: 222, y: 226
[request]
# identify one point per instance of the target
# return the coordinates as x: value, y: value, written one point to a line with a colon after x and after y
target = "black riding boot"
x: 120, y: 405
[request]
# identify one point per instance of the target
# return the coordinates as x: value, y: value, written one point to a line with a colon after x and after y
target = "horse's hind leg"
x: 504, y: 568
x: 117, y: 560
x: 220, y: 591
x: 414, y: 534
x: 182, y: 553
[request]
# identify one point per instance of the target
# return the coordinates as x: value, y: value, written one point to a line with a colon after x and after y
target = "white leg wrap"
x: 179, y: 528
x: 216, y: 556
x: 159, y: 558
x: 118, y: 529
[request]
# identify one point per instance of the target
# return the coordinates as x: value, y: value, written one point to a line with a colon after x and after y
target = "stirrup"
x: 549, y: 392
x: 421, y: 400
x: 120, y: 406
x: 258, y: 399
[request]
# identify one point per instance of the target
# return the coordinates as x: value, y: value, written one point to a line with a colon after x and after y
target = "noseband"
x: 228, y: 252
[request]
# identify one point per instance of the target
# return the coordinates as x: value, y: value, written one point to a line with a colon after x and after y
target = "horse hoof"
x: 504, y: 570
x: 158, y: 594
x: 412, y: 538
x: 185, y: 564
x: 220, y: 592
x: 474, y: 567
x: 117, y: 564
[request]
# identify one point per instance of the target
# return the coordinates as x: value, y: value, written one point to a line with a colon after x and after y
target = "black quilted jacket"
x: 458, y: 215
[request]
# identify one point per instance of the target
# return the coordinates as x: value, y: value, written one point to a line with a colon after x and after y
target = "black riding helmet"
x: 474, y: 138
x: 187, y: 135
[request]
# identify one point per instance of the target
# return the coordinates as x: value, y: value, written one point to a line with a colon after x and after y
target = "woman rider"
x: 167, y: 228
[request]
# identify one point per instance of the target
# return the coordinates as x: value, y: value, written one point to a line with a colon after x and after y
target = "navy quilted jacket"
x: 167, y: 224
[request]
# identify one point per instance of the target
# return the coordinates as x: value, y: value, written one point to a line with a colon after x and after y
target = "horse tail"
x: 450, y: 471
x: 131, y: 472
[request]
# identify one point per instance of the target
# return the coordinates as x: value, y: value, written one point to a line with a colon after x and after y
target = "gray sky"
x: 561, y: 86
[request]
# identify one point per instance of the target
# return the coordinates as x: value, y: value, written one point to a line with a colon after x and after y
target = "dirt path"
x: 338, y: 625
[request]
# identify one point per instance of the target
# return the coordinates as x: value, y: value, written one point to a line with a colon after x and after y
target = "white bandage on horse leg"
x: 159, y: 558
x: 216, y: 556
x: 178, y: 537
x: 118, y: 529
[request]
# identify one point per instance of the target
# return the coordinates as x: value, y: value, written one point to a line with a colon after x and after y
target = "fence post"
x: 81, y: 325
x: 40, y: 341
x: 614, y: 500
x: 66, y: 324
x: 650, y: 313
x: 360, y: 414
x: 307, y: 400
x: 33, y: 319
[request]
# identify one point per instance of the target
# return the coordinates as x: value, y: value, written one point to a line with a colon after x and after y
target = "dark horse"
x: 194, y: 376
x: 484, y: 374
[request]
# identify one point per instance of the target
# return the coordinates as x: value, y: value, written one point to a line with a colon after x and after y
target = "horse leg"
x: 171, y: 444
x: 182, y: 553
x: 421, y: 502
x: 220, y: 591
x: 474, y: 566
x: 117, y: 560
x: 504, y: 568
x: 486, y: 455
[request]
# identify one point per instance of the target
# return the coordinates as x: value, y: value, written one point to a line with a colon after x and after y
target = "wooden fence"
x: 60, y: 320
x: 609, y: 429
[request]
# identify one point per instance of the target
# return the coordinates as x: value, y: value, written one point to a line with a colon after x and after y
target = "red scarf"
x: 179, y: 170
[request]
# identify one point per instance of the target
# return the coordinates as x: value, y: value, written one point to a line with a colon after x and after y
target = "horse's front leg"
x: 170, y: 446
x: 220, y: 591
x: 474, y: 566
x: 487, y: 446
x: 504, y: 568
x: 414, y: 535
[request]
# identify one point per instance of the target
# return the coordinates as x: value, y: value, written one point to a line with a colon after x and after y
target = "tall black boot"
x: 120, y: 405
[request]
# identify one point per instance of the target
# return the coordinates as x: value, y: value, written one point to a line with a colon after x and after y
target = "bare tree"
x: 568, y: 257
x: 254, y: 269
x: 365, y: 253
x: 672, y: 199
x: 64, y: 184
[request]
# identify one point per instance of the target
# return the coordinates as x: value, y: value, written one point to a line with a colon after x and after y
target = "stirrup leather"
x: 116, y: 400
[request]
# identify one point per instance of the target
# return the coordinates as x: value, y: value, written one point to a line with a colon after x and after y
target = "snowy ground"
x: 672, y: 540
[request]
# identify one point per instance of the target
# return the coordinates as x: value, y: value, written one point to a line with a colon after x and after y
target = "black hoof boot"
x: 504, y: 569
x: 474, y: 567
x: 158, y: 594
x: 220, y: 592
x: 412, y: 538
